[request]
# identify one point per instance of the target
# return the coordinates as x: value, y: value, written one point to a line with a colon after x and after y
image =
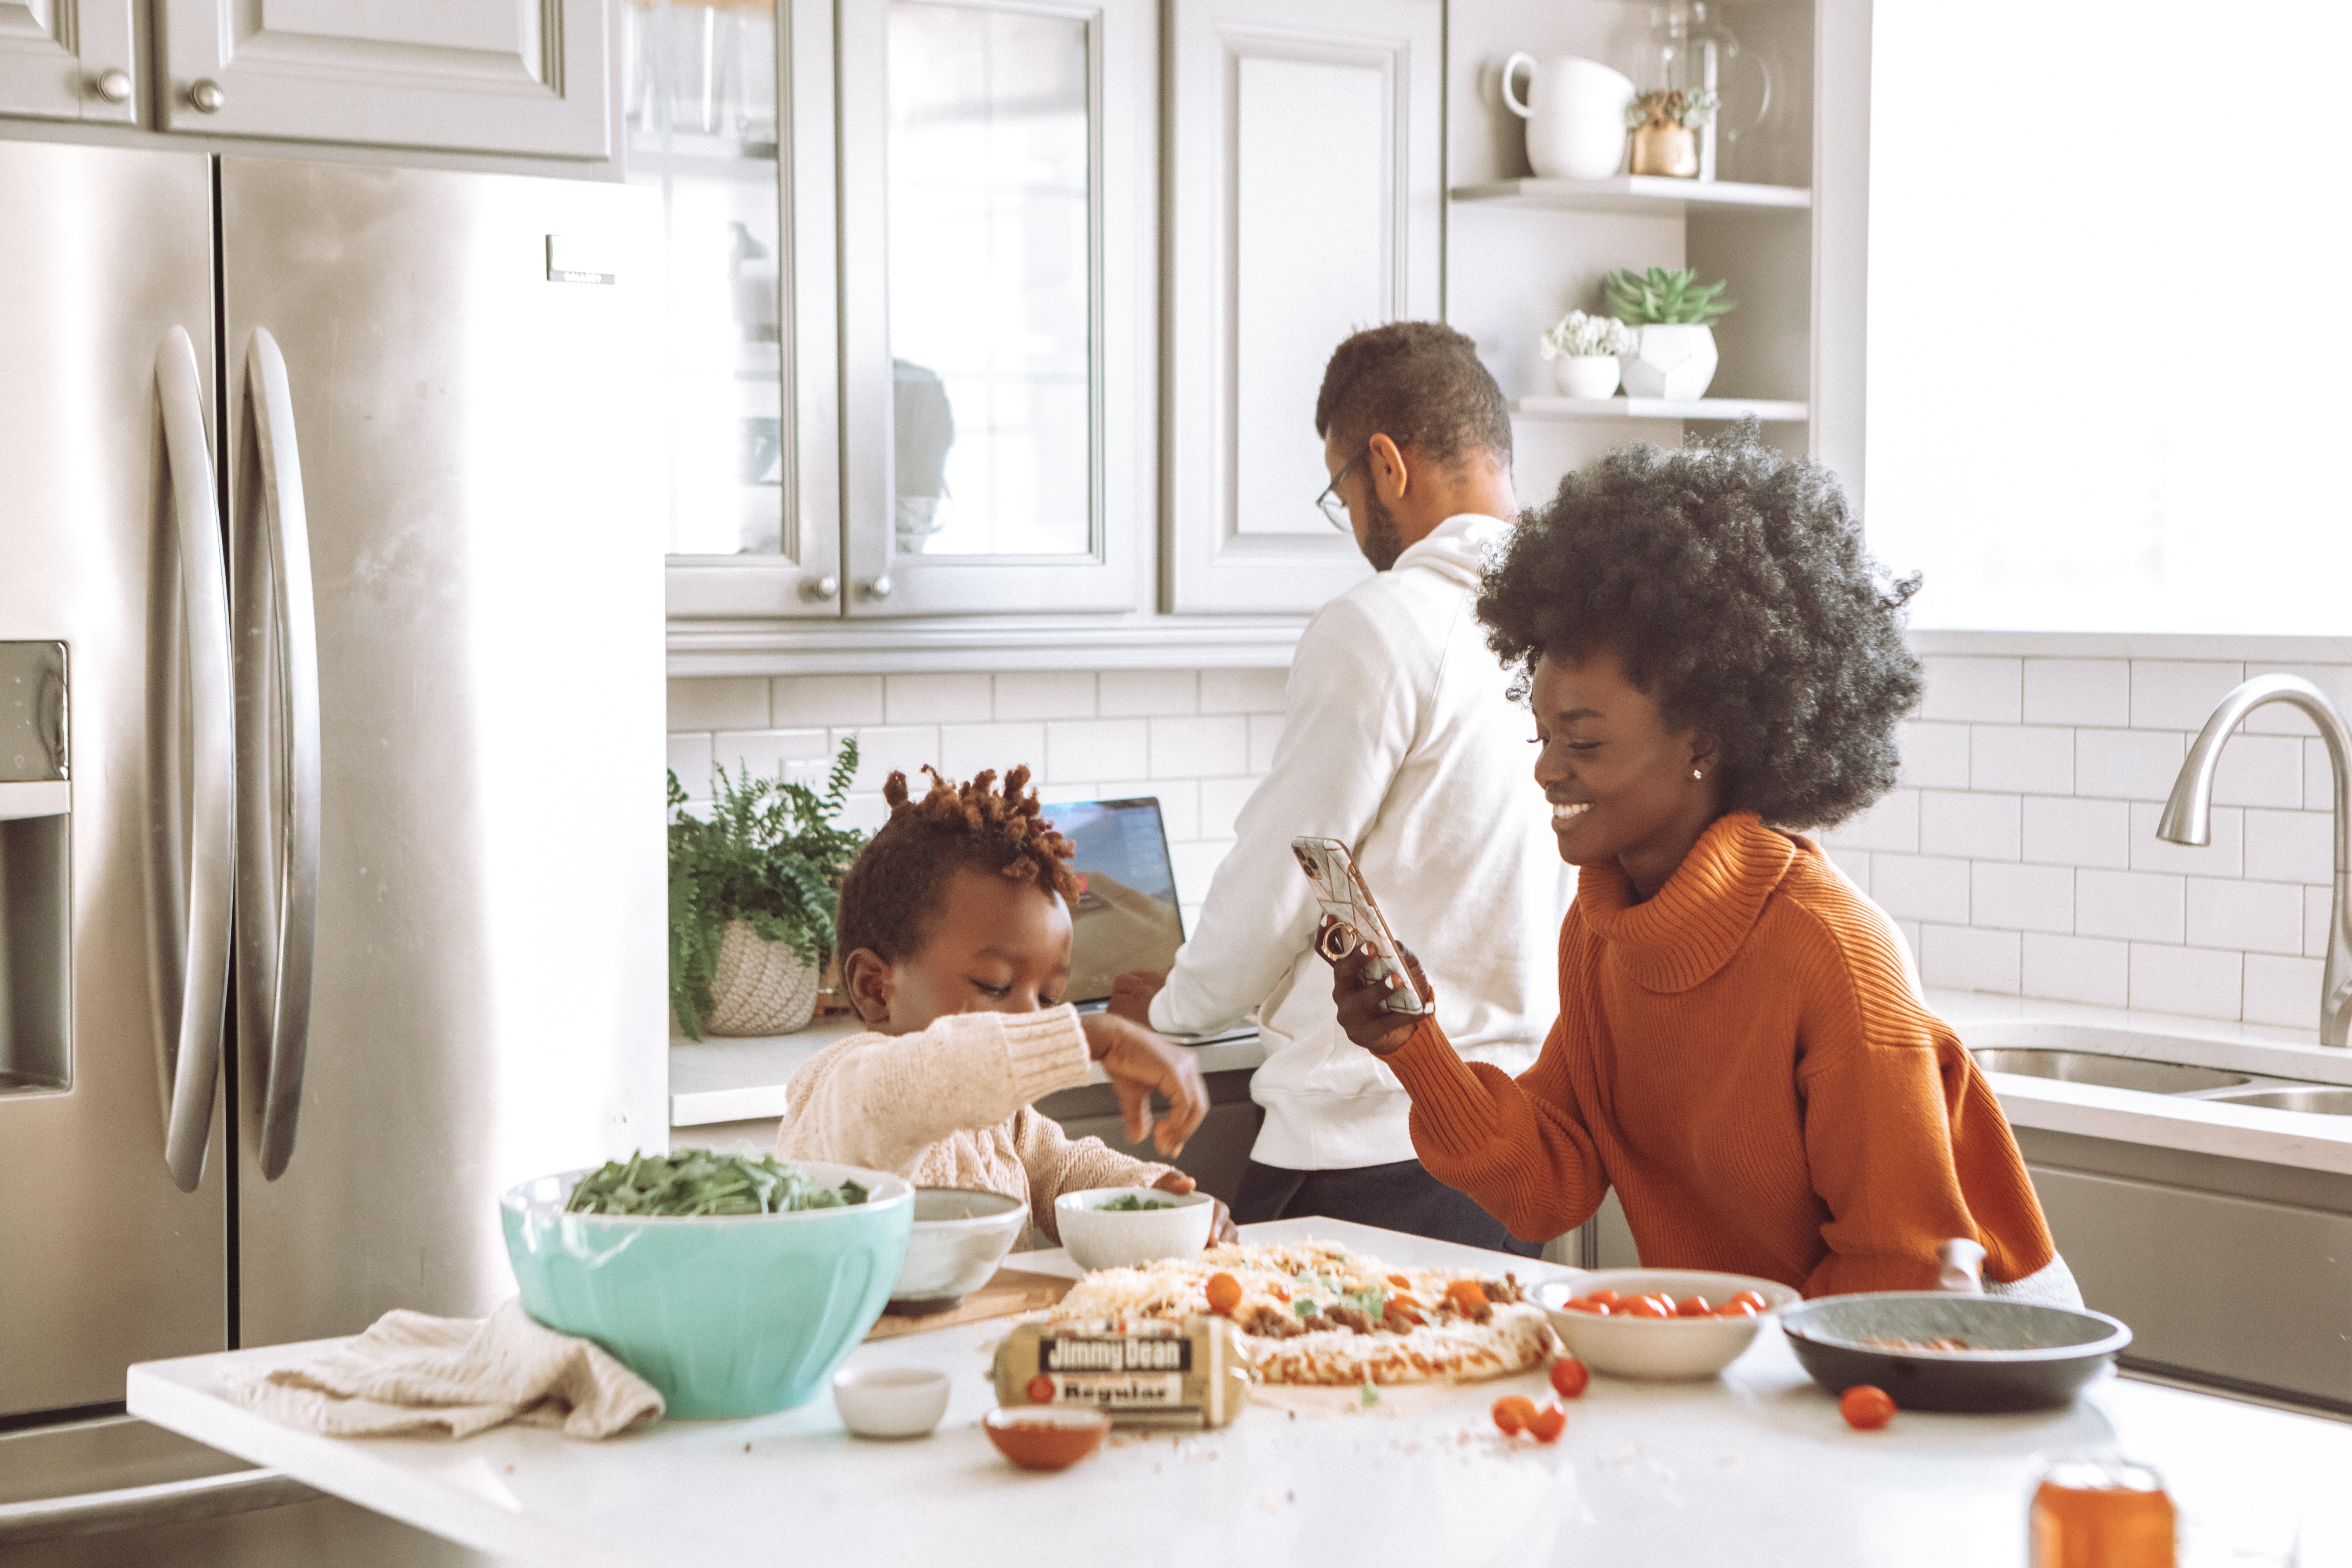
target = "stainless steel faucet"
x: 2188, y: 818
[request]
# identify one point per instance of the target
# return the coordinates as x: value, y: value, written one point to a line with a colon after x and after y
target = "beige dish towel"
x: 415, y: 1376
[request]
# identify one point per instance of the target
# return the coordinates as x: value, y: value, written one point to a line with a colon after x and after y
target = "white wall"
x: 2019, y: 855
x: 1198, y: 740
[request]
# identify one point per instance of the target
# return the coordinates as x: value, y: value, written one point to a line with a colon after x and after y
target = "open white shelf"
x: 1640, y: 193
x: 1658, y: 409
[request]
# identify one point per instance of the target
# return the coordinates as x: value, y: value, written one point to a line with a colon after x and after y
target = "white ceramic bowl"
x: 1659, y: 1347
x: 1100, y: 1239
x: 960, y: 1236
x: 890, y: 1401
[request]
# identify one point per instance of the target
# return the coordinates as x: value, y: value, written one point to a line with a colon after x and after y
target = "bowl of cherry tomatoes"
x: 1660, y: 1322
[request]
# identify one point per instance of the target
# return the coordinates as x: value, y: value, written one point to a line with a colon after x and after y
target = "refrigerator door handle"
x: 279, y: 870
x: 192, y: 937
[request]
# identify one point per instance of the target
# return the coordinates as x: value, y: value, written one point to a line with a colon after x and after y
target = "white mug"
x: 1575, y: 112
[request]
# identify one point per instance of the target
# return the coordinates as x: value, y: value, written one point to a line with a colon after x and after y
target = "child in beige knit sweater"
x: 954, y: 936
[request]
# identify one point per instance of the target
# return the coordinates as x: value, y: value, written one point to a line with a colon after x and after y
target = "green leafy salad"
x: 1128, y: 1203
x: 695, y: 1182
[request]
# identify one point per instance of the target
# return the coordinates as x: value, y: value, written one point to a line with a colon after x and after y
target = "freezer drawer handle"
x: 278, y: 835
x: 189, y: 910
x: 137, y: 1508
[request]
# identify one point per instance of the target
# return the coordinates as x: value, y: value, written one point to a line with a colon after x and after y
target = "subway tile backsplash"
x: 1198, y: 740
x: 2019, y: 855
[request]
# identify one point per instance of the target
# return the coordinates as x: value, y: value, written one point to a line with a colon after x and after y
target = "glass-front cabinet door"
x: 996, y: 210
x: 729, y: 114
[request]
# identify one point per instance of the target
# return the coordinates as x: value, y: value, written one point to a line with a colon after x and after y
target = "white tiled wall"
x: 2020, y: 856
x: 1198, y: 740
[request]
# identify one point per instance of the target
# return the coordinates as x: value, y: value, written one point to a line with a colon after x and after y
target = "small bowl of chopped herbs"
x: 736, y: 1284
x: 1125, y: 1227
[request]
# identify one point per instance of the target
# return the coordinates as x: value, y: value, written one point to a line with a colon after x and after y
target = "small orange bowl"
x: 1046, y: 1436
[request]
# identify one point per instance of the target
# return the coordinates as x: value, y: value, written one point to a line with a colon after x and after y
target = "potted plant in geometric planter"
x: 1673, y: 354
x: 1584, y: 351
x: 753, y: 896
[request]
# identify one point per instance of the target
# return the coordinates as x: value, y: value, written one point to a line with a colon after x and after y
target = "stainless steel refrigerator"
x: 330, y: 718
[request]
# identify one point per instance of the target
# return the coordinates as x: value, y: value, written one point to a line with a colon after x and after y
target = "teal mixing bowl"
x: 734, y: 1315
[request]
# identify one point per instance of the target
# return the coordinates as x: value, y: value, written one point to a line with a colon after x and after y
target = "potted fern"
x: 1673, y: 354
x: 752, y: 895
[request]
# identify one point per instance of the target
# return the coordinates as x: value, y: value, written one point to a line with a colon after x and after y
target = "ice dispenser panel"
x: 36, y: 870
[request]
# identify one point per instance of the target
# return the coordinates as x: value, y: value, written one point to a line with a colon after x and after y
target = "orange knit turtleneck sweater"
x: 1743, y: 1056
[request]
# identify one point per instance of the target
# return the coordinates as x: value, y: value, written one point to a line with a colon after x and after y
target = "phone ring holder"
x: 1337, y: 941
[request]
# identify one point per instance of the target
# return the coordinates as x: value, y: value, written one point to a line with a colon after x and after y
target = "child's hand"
x: 1220, y: 1228
x: 1138, y: 1062
x: 1131, y: 995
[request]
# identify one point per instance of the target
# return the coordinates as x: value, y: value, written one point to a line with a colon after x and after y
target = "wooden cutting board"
x: 1007, y: 1292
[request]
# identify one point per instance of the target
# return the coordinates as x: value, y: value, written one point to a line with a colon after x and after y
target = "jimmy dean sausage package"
x: 1145, y: 1373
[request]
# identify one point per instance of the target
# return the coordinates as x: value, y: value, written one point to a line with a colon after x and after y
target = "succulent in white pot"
x: 1673, y: 355
x: 1584, y: 351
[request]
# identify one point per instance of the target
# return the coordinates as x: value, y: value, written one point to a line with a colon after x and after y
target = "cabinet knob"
x: 879, y: 588
x: 114, y: 85
x: 207, y: 98
x: 823, y: 588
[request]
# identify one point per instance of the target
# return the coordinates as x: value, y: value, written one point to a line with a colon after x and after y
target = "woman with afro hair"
x: 1713, y: 665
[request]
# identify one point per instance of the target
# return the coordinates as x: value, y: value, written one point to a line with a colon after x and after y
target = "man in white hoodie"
x: 1400, y: 741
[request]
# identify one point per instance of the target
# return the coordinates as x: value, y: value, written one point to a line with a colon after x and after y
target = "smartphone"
x: 1342, y: 894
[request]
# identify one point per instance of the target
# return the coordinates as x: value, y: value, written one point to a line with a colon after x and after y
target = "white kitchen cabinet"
x: 997, y: 207
x: 1304, y: 153
x: 525, y: 77
x: 69, y: 60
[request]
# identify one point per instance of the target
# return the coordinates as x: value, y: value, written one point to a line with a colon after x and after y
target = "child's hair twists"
x: 898, y: 877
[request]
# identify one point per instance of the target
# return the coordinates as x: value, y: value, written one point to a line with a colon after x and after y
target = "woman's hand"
x: 1220, y: 1228
x: 1364, y: 1012
x: 1138, y: 1062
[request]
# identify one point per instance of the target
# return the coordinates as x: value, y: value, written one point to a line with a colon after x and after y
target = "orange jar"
x: 2091, y: 1512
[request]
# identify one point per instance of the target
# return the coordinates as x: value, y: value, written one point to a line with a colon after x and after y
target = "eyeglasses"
x: 1335, y: 510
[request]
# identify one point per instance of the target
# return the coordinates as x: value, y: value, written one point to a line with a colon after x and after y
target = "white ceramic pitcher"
x: 1575, y: 110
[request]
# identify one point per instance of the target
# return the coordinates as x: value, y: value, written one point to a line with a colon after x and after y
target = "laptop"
x: 1126, y: 917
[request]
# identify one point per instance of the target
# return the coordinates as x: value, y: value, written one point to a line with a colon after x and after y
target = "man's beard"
x: 1381, y: 544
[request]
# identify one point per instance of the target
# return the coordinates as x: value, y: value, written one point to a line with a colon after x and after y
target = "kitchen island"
x: 1756, y: 1468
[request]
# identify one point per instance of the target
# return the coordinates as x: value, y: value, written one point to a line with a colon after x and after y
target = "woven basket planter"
x: 761, y: 987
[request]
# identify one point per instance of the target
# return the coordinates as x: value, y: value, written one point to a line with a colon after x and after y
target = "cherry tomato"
x: 1735, y: 1310
x: 1512, y: 1413
x: 1694, y: 1307
x: 1647, y: 1307
x: 1041, y: 1390
x: 1569, y: 1377
x: 1865, y: 1408
x: 1754, y: 1298
x: 1607, y: 1297
x: 1546, y: 1425
x: 1225, y: 1294
x: 1587, y: 1304
x: 1467, y: 1294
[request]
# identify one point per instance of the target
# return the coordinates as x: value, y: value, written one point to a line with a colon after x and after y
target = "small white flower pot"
x: 1586, y: 375
x: 1674, y: 363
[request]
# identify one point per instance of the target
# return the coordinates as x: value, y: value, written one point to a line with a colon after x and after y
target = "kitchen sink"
x: 2118, y: 1072
x: 2319, y: 1100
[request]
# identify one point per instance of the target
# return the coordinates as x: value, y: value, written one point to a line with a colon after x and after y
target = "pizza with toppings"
x: 1316, y: 1313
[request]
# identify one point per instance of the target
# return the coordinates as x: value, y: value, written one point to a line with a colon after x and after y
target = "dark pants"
x: 1403, y: 1196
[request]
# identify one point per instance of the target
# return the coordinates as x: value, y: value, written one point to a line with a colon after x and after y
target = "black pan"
x: 2026, y: 1357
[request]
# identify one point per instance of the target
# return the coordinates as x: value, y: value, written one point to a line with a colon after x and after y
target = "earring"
x: 1695, y: 773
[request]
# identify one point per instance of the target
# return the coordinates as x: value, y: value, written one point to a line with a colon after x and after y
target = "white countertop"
x: 739, y: 1079
x: 743, y: 1078
x: 1755, y: 1469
